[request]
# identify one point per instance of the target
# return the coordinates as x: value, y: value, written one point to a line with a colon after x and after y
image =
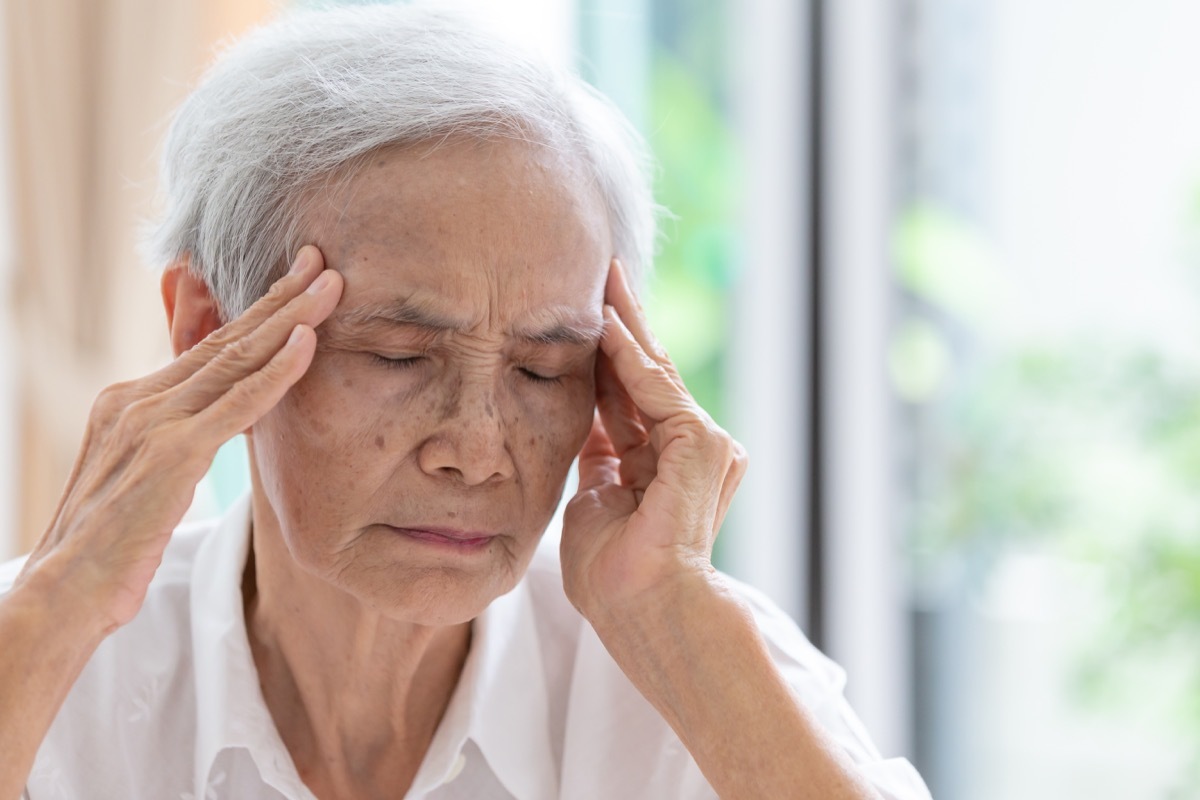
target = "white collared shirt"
x: 169, y: 707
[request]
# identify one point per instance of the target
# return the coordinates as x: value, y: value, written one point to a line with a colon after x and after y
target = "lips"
x: 446, y: 536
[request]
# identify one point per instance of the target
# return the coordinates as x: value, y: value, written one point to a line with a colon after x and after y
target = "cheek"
x: 555, y: 432
x: 314, y: 415
x: 318, y: 445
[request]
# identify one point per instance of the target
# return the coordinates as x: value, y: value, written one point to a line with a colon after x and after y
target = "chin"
x: 433, y: 596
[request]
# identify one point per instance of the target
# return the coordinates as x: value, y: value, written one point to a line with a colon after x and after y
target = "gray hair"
x: 306, y: 96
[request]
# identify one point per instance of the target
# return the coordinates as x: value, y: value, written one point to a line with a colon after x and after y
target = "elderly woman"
x: 402, y: 258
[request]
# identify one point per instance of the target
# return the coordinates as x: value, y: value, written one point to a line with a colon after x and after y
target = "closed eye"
x: 538, y: 378
x: 407, y: 362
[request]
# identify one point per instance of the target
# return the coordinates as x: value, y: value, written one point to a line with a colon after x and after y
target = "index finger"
x: 619, y: 294
x: 657, y: 394
x: 308, y: 264
x: 621, y: 416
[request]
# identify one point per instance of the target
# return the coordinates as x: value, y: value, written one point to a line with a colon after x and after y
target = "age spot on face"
x: 482, y: 234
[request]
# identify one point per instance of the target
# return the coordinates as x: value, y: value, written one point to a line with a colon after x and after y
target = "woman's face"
x: 418, y: 461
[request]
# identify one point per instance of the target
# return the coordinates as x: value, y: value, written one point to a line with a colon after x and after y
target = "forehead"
x: 492, y: 230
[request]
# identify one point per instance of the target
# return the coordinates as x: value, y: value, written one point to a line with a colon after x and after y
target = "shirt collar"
x: 500, y: 703
x: 230, y: 709
x: 510, y: 719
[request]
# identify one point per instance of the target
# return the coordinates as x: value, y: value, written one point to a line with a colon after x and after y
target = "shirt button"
x: 456, y: 769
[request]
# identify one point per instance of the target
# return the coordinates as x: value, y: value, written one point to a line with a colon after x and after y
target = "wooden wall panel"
x: 92, y: 85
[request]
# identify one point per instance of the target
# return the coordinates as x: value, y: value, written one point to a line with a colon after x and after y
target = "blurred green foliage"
x: 689, y: 133
x: 1087, y: 448
x: 696, y: 182
x: 946, y: 263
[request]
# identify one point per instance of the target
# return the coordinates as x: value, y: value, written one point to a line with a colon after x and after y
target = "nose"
x: 470, y: 442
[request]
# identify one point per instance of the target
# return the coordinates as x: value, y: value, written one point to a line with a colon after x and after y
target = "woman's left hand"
x: 656, y: 475
x: 655, y: 480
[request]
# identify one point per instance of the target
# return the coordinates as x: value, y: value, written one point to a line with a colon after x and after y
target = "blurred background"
x: 935, y: 262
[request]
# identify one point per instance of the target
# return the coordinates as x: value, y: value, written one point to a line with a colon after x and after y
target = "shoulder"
x: 134, y: 703
x: 801, y: 662
x: 603, y: 719
x: 790, y: 648
x: 819, y: 684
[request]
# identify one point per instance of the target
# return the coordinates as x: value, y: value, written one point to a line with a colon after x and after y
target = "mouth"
x: 447, y: 537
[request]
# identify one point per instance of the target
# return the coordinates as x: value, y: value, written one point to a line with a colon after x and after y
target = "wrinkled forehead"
x: 467, y: 230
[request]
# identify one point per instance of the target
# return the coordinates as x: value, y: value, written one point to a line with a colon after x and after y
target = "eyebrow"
x: 400, y: 312
x: 561, y: 325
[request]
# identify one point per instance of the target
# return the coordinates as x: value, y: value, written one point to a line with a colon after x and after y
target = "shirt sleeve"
x: 9, y: 570
x: 8, y: 574
x: 820, y: 684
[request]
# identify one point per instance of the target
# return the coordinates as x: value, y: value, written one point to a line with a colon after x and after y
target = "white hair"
x: 308, y: 95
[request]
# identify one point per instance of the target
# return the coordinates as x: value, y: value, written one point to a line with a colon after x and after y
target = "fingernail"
x: 297, y: 335
x: 300, y: 263
x: 619, y: 271
x: 322, y: 281
x: 624, y: 276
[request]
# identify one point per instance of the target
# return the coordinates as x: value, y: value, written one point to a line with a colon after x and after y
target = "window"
x: 1044, y: 373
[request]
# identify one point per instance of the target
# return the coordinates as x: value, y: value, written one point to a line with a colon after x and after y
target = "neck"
x: 356, y: 696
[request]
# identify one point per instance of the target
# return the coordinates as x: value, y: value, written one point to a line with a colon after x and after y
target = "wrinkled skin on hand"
x: 656, y: 474
x: 149, y: 442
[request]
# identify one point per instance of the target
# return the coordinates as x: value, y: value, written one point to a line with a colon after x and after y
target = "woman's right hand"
x: 149, y: 442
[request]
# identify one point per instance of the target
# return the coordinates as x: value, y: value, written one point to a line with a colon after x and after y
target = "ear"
x: 192, y: 311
